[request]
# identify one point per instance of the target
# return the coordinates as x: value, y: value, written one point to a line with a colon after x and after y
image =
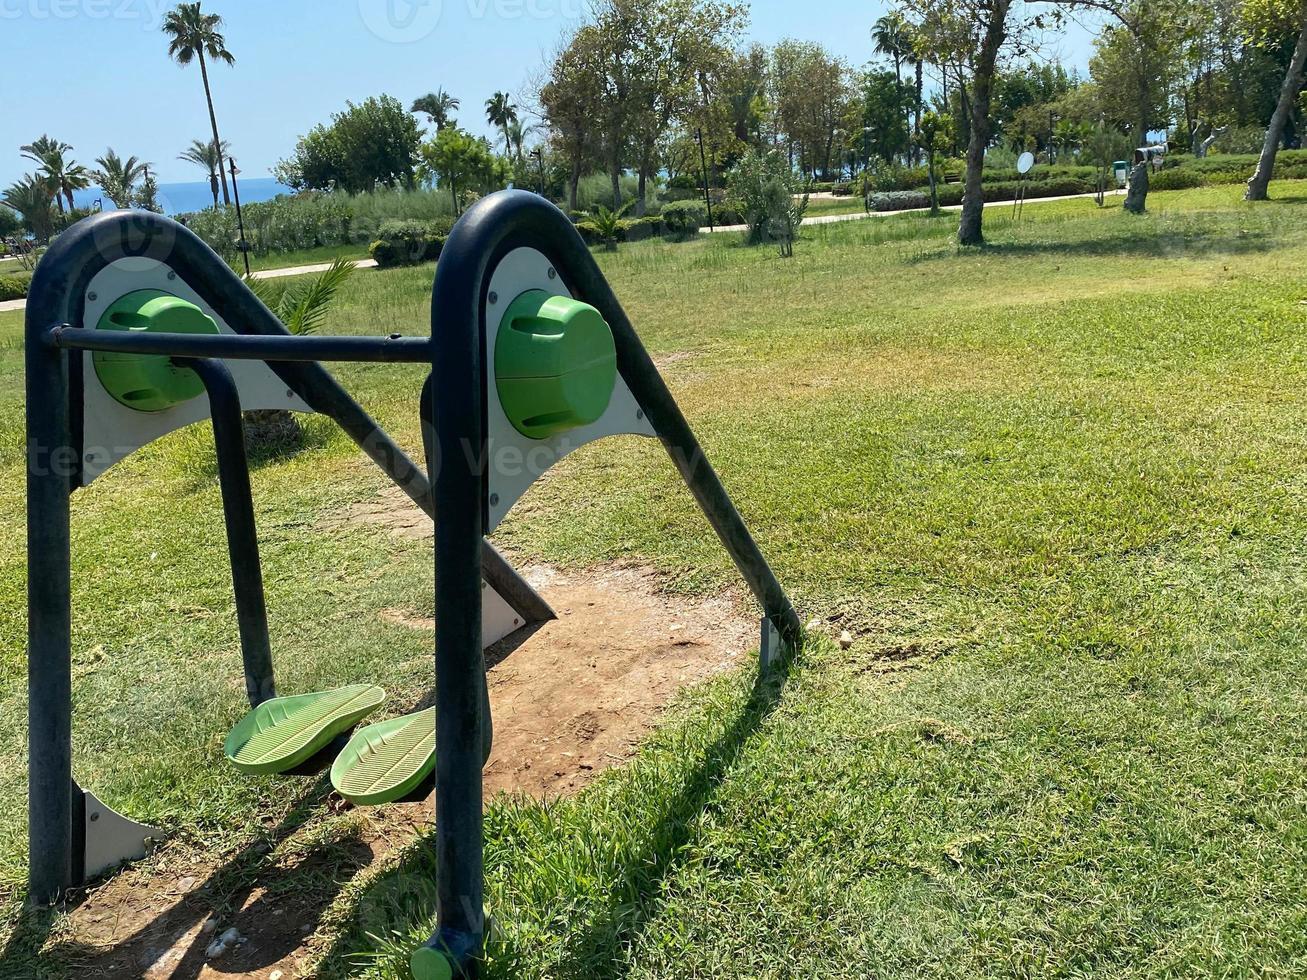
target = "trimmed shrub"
x: 14, y: 287
x: 950, y: 195
x: 1175, y: 179
x: 899, y: 200
x: 638, y: 229
x: 408, y: 243
x: 683, y: 219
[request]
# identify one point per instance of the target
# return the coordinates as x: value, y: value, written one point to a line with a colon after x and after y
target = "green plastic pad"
x: 283, y: 733
x: 386, y: 761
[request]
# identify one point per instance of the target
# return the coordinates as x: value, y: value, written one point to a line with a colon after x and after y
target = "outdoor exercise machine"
x: 135, y: 328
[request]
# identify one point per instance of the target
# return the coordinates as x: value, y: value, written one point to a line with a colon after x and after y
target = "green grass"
x: 1056, y: 487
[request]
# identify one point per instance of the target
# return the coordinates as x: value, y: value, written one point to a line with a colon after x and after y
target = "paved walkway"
x: 833, y: 219
x: 824, y: 219
x: 14, y: 305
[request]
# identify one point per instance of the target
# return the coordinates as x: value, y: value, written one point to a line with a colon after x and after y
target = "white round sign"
x: 1025, y: 162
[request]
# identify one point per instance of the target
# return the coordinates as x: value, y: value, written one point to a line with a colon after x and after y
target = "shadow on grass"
x: 284, y: 902
x: 1142, y: 243
x: 403, y: 898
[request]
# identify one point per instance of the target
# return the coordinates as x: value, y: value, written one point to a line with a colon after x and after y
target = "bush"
x: 950, y: 195
x: 589, y: 233
x: 683, y: 219
x: 14, y: 287
x: 899, y: 200
x: 638, y: 229
x: 1175, y: 179
x: 408, y: 243
x: 768, y: 190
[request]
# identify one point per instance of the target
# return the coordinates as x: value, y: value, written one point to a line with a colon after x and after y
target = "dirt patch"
x: 578, y: 695
x: 569, y: 700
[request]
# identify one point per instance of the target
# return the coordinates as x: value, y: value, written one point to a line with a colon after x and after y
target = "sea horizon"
x: 183, y: 197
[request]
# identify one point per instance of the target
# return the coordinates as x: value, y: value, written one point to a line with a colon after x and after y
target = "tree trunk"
x: 916, y: 122
x: 573, y: 183
x: 1136, y: 199
x: 1293, y: 81
x: 616, y: 174
x: 970, y: 231
x: 646, y: 165
x: 213, y: 121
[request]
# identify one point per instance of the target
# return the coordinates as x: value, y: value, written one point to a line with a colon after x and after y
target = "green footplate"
x: 386, y: 761
x: 283, y: 733
x: 430, y: 964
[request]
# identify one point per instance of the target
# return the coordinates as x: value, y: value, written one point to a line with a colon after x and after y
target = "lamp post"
x: 703, y: 162
x: 866, y: 164
x: 242, y: 244
x: 539, y: 154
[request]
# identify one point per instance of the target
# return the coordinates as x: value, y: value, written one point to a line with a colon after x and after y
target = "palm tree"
x: 517, y: 134
x: 195, y: 34
x: 117, y: 177
x: 439, y: 106
x: 63, y: 175
x: 500, y: 111
x: 31, y: 197
x: 208, y: 158
x: 891, y: 34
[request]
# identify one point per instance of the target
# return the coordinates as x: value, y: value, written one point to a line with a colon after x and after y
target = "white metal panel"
x: 498, y: 618
x: 111, y: 430
x: 515, y: 461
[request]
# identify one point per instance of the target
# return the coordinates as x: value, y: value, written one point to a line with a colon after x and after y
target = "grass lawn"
x: 1057, y: 489
x: 818, y: 206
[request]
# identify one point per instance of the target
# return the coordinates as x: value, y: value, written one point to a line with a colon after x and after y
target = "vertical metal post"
x: 453, y: 428
x: 703, y: 161
x: 242, y: 533
x: 51, y: 462
x: 240, y: 218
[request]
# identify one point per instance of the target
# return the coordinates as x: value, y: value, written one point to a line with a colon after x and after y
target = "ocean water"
x: 194, y: 196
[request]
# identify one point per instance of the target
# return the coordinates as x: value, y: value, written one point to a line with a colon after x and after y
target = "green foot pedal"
x: 387, y: 761
x: 282, y: 733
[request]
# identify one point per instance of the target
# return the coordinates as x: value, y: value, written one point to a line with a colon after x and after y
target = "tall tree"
x: 892, y: 36
x: 369, y: 145
x: 1138, y: 56
x: 438, y: 106
x: 208, y: 158
x: 976, y: 33
x: 64, y: 176
x: 118, y: 177
x: 1266, y: 16
x: 195, y: 35
x: 31, y: 197
x: 500, y: 112
x: 574, y: 85
x: 683, y: 50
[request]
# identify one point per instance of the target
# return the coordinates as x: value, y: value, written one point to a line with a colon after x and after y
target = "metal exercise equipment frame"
x: 457, y: 423
x: 492, y: 229
x: 62, y: 851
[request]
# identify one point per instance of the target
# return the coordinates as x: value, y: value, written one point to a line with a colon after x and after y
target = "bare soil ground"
x: 569, y: 700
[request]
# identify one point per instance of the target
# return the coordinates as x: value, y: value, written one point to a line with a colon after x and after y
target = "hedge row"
x: 409, y: 242
x: 994, y: 192
x: 14, y: 287
x: 677, y: 220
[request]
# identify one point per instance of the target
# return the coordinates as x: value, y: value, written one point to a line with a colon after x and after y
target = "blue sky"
x: 95, y: 73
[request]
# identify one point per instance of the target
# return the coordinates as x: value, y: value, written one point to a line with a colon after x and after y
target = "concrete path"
x: 300, y: 270
x: 833, y: 219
